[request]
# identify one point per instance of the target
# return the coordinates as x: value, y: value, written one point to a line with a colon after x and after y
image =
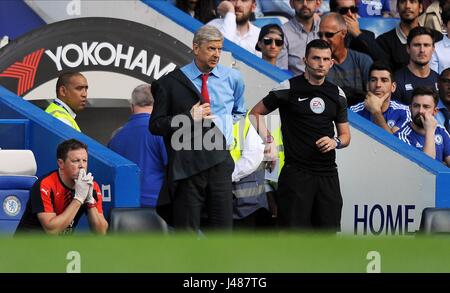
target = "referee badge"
x: 317, y: 105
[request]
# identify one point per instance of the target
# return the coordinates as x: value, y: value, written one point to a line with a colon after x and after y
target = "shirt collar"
x: 65, y: 106
x: 446, y: 41
x: 401, y: 36
x: 193, y: 72
x: 301, y: 27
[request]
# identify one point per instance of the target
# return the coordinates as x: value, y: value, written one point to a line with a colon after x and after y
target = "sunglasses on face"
x: 344, y: 10
x: 269, y: 41
x: 327, y: 35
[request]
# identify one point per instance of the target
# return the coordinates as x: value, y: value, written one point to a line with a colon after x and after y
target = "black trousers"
x: 209, y: 190
x: 308, y: 201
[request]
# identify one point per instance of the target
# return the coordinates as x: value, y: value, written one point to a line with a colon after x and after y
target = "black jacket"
x: 175, y: 94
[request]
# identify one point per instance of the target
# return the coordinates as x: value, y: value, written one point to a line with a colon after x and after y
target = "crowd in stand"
x: 399, y: 80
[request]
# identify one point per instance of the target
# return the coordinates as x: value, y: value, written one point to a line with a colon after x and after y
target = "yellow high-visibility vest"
x: 59, y: 112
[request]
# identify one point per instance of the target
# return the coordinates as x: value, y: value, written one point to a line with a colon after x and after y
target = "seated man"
x: 59, y: 199
x: 423, y: 132
x: 378, y: 106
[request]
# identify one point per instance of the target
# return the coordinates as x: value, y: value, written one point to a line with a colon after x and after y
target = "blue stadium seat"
x: 378, y: 25
x: 262, y: 21
x: 17, y: 170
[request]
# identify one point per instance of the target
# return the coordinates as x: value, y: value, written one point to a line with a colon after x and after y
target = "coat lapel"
x: 179, y: 75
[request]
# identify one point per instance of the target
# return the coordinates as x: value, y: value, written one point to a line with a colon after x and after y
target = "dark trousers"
x: 308, y: 201
x: 209, y: 190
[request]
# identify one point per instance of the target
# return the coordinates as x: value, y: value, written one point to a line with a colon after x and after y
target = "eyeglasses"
x: 445, y: 80
x: 269, y: 41
x: 344, y: 10
x: 327, y: 35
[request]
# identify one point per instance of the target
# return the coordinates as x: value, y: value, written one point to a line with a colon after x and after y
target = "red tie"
x: 205, y: 93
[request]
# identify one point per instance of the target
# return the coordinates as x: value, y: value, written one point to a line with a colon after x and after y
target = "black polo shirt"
x: 307, y: 114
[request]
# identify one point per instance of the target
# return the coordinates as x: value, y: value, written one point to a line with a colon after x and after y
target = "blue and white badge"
x: 11, y: 205
x: 438, y: 139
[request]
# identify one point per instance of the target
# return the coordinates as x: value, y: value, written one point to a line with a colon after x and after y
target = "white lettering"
x: 74, y: 265
x: 73, y: 8
x: 106, y: 193
x: 66, y: 60
x: 154, y: 66
x: 56, y: 58
x: 374, y: 265
x: 140, y: 61
x: 106, y: 46
x: 127, y: 57
x: 87, y: 52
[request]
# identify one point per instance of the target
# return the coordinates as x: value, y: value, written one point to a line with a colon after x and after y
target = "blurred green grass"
x: 237, y: 253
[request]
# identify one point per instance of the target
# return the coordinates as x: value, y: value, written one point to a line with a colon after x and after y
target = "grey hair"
x: 337, y: 17
x: 142, y: 96
x: 207, y: 33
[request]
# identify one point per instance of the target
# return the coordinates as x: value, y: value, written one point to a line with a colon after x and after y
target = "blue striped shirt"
x: 396, y: 115
x: 441, y: 139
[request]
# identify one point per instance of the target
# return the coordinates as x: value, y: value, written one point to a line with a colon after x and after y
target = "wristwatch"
x: 338, y: 142
x: 269, y: 138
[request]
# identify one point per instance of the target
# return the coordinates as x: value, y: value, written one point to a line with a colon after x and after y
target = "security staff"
x: 71, y: 97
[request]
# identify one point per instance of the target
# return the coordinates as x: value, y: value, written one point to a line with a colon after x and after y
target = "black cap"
x: 269, y: 28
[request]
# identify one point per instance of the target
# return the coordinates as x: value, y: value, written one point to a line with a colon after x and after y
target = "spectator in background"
x: 58, y: 200
x: 357, y: 39
x: 274, y: 7
x: 298, y: 32
x: 134, y: 142
x: 443, y: 115
x: 378, y: 106
x: 203, y: 10
x: 374, y: 8
x: 234, y: 23
x: 420, y: 46
x: 351, y: 68
x: 71, y: 98
x: 270, y: 42
x: 393, y: 42
x: 423, y: 132
x: 432, y: 17
x: 441, y: 55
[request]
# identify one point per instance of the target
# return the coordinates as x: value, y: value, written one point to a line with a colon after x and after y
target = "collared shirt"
x: 226, y: 92
x: 400, y: 35
x: 67, y: 108
x: 295, y: 40
x: 441, y: 55
x: 228, y: 27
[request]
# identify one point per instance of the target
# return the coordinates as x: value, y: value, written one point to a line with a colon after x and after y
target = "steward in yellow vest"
x: 58, y: 111
x: 71, y: 93
x: 249, y: 191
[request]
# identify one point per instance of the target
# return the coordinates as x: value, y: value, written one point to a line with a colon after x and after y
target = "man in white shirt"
x: 234, y: 23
